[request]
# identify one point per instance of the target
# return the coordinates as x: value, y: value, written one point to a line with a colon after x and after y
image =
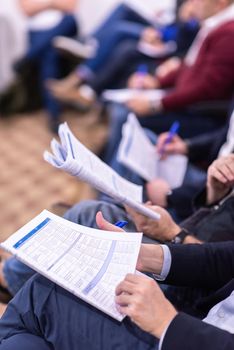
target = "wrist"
x: 153, y: 262
x: 180, y: 237
x: 167, y: 317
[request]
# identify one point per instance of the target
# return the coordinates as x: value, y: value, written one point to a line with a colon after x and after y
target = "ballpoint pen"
x: 172, y: 132
x: 121, y: 224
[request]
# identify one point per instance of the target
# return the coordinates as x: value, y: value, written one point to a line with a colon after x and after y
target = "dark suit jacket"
x: 207, y: 266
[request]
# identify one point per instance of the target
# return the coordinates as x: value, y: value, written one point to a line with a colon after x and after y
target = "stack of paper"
x: 139, y: 154
x: 88, y: 263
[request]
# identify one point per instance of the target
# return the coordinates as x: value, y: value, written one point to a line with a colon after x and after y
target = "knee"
x: 78, y: 212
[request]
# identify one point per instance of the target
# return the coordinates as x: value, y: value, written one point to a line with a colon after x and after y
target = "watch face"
x: 177, y: 240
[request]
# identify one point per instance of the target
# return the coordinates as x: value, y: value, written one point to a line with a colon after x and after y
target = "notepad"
x: 71, y: 156
x: 87, y: 262
x: 138, y: 154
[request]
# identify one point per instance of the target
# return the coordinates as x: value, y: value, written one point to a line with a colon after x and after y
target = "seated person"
x: 208, y: 64
x: 109, y: 69
x: 45, y: 20
x: 201, y: 150
x: 45, y: 316
x: 207, y: 225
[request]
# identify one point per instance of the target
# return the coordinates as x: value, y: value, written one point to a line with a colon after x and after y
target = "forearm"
x: 212, y: 264
x: 153, y: 259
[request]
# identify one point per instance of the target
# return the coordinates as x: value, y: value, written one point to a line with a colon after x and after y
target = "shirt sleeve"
x: 166, y: 264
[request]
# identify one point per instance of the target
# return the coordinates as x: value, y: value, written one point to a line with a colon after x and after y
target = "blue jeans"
x: 47, y: 58
x: 44, y: 316
x: 122, y: 24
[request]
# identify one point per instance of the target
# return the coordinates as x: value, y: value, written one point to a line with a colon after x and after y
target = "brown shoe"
x: 58, y: 88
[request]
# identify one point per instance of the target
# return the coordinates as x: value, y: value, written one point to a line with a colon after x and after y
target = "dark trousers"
x: 47, y: 59
x: 123, y: 23
x: 43, y: 316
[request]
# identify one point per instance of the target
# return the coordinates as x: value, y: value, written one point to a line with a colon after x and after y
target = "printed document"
x: 124, y: 95
x: 87, y: 262
x: 73, y: 157
x: 138, y: 154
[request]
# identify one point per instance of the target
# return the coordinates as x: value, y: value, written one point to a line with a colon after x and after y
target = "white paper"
x: 87, y: 262
x: 74, y: 158
x: 138, y: 154
x: 124, y: 95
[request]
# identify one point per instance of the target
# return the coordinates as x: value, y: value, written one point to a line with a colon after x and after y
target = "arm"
x: 216, y: 72
x: 212, y: 265
x: 188, y: 333
x: 31, y: 8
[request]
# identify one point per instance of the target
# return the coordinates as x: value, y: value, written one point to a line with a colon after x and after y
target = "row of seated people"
x: 200, y: 270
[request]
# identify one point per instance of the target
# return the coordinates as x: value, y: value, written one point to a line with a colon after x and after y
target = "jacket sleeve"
x: 207, y: 146
x: 188, y: 333
x: 209, y: 265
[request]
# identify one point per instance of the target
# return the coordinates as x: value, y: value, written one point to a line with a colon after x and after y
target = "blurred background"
x: 27, y: 183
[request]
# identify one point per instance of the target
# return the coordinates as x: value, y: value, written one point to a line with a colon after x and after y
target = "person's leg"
x: 121, y: 13
x: 25, y: 341
x: 50, y: 68
x: 15, y: 274
x: 116, y: 33
x: 118, y: 116
x: 84, y: 213
x: 65, y: 322
x: 67, y: 27
x: 122, y: 63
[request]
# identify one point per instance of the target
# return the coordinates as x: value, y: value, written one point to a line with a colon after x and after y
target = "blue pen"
x: 142, y: 71
x: 172, y: 132
x: 121, y: 224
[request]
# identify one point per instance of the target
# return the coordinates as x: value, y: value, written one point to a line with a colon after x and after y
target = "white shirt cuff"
x: 166, y: 264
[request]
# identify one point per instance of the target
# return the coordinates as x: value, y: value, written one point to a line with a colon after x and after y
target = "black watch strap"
x: 180, y: 237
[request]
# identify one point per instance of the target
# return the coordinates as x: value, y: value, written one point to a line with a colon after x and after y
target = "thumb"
x: 103, y: 224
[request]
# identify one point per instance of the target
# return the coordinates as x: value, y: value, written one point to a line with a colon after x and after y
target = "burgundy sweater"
x: 211, y: 77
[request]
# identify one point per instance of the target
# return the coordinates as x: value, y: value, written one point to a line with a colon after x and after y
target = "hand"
x: 164, y: 229
x: 140, y: 298
x: 175, y: 146
x: 150, y: 257
x: 142, y: 81
x: 150, y: 35
x: 220, y: 178
x: 157, y: 191
x: 142, y: 106
x: 103, y: 224
x: 168, y: 66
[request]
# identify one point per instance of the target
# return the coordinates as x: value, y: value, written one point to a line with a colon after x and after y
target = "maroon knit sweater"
x: 211, y: 77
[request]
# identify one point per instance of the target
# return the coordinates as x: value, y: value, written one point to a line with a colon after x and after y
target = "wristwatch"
x: 180, y: 237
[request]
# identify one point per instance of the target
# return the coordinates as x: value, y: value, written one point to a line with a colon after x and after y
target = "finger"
x: 123, y: 299
x: 103, y: 224
x: 215, y: 173
x: 125, y: 287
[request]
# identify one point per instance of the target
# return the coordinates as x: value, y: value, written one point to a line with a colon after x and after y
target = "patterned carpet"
x: 27, y: 183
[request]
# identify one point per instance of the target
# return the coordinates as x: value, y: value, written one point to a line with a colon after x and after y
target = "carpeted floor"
x: 27, y: 183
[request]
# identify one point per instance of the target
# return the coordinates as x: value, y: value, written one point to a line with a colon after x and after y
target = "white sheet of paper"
x: 87, y: 262
x: 139, y: 154
x: 124, y: 95
x: 74, y: 158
